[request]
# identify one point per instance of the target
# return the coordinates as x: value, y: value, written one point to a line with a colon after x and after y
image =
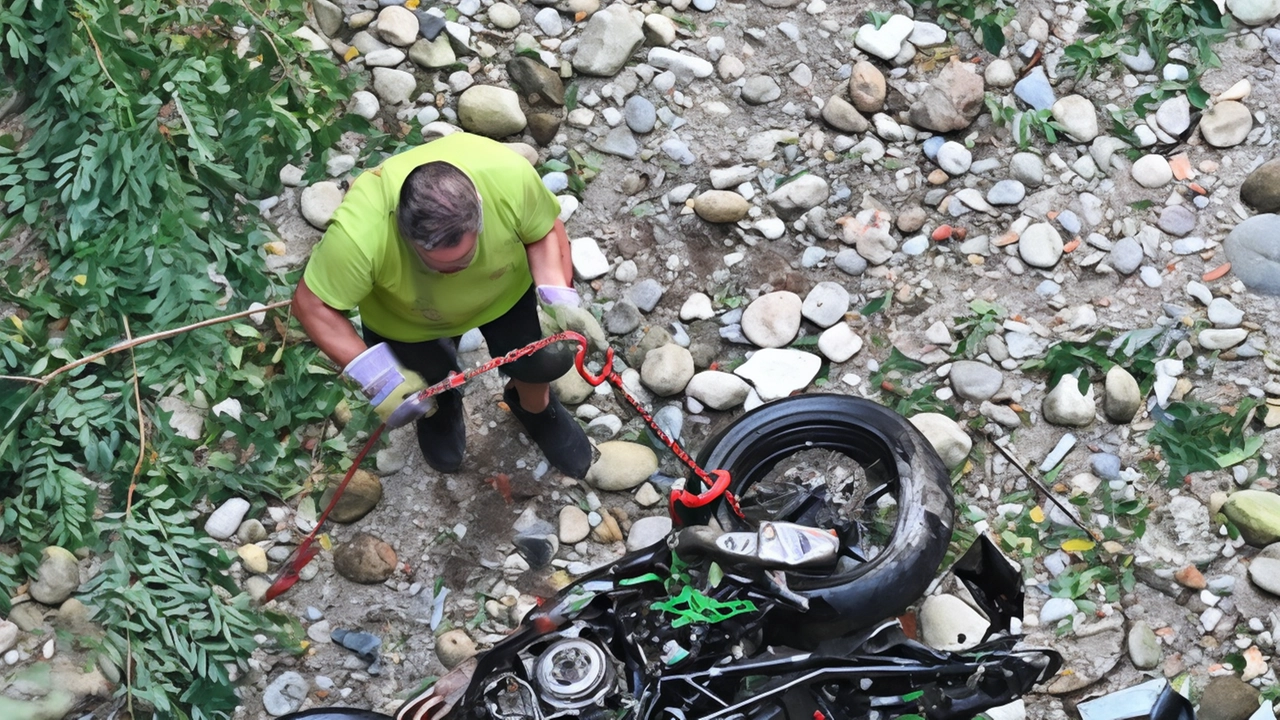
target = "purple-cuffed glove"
x: 554, y: 295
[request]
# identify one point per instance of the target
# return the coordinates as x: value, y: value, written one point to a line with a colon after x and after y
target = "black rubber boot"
x: 443, y: 435
x: 556, y: 432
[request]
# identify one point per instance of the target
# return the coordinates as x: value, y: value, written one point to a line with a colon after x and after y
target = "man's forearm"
x: 328, y: 328
x: 549, y: 259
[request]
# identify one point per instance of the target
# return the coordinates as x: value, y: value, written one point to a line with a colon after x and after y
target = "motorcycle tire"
x: 858, y: 597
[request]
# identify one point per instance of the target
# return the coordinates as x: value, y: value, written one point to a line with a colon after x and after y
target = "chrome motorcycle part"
x: 791, y: 545
x: 573, y: 673
x: 510, y: 698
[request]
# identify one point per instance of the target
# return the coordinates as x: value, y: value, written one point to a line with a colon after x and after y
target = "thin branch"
x: 119, y: 347
x: 267, y: 33
x: 142, y: 430
x: 22, y: 378
x: 98, y: 51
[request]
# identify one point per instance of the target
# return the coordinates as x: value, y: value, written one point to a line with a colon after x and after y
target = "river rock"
x: 826, y: 304
x: 606, y: 42
x: 975, y: 381
x: 867, y: 88
x: 622, y: 466
x: 1065, y: 406
x: 1257, y: 515
x: 1253, y: 249
x: 364, y: 559
x: 1077, y: 116
x: 1254, y: 12
x: 1035, y: 90
x: 1144, y: 646
x: 1125, y: 256
x: 839, y: 343
x: 1040, y: 246
x: 721, y: 206
x: 1261, y: 190
x: 253, y: 557
x: 667, y: 370
x: 718, y: 390
x: 1214, y: 339
x: 885, y: 42
x: 772, y: 320
x: 539, y: 82
x: 363, y: 493
x: 56, y: 578
x: 622, y: 318
x: 319, y: 201
x: 776, y: 373
x: 588, y: 261
x: 839, y: 114
x: 1226, y: 697
x: 647, y: 531
x: 948, y: 438
x: 433, y: 54
x: 951, y: 101
x: 490, y: 110
x: 870, y: 233
x: 286, y: 693
x: 1151, y: 171
x: 1122, y: 397
x: 574, y: 526
x: 947, y: 623
x: 397, y: 25
x: 1226, y: 124
x: 504, y: 16
x: 224, y: 521
x: 1263, y: 571
x: 393, y: 86
x: 760, y: 90
x: 799, y: 196
x: 454, y: 648
x: 8, y: 636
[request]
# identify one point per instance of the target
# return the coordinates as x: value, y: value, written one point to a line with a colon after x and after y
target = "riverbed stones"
x: 948, y: 438
x: 952, y: 101
x: 718, y: 390
x: 1040, y: 246
x: 648, y: 530
x: 393, y: 86
x: 224, y: 521
x: 667, y: 370
x: 1125, y: 256
x: 975, y: 381
x: 1066, y: 406
x: 622, y: 466
x: 538, y: 82
x: 1256, y: 513
x: 504, y: 16
x: 1227, y: 697
x: 1151, y: 171
x: 454, y: 648
x: 1219, y: 339
x: 870, y: 233
x: 491, y: 111
x: 799, y: 196
x: 1122, y: 397
x: 574, y: 526
x: 57, y: 576
x: 777, y: 373
x: 721, y: 206
x: 364, y: 559
x: 433, y: 54
x: 772, y: 320
x: 318, y: 202
x: 286, y: 693
x: 1226, y: 124
x: 253, y: 557
x: 397, y: 25
x: 1077, y: 116
x: 867, y: 88
x: 839, y: 343
x: 826, y: 304
x: 363, y: 493
x: 1254, y: 12
x: 1261, y: 189
x: 608, y: 39
x: 884, y: 42
x: 1177, y: 220
x: 1253, y: 249
x: 839, y: 114
x: 1263, y: 571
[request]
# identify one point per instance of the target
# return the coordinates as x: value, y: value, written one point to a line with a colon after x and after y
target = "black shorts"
x: 435, y: 359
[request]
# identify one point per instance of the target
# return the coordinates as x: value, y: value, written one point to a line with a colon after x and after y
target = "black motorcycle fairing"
x: 336, y: 713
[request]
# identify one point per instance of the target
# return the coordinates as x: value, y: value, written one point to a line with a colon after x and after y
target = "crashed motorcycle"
x: 775, y: 597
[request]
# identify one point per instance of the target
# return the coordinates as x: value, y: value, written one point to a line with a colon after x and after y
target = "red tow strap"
x: 716, y: 482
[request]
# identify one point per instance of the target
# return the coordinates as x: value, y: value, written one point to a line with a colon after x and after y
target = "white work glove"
x: 554, y: 296
x: 391, y: 388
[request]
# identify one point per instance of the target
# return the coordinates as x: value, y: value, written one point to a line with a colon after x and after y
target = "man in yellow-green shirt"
x: 456, y: 234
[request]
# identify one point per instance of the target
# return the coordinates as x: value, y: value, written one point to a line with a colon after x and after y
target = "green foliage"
x: 147, y: 132
x: 895, y: 381
x: 878, y: 19
x: 974, y: 329
x: 1024, y: 126
x: 1116, y: 26
x: 1197, y: 437
x: 986, y: 19
x: 1136, y: 351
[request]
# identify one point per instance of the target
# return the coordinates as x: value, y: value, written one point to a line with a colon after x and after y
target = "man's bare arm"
x: 328, y: 328
x: 549, y: 259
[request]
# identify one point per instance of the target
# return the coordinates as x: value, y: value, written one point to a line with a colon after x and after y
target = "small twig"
x: 284, y: 336
x: 267, y: 33
x: 1044, y: 490
x: 98, y: 51
x: 150, y: 338
x: 142, y: 431
x: 22, y: 378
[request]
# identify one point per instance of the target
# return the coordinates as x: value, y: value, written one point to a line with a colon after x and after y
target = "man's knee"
x: 543, y: 366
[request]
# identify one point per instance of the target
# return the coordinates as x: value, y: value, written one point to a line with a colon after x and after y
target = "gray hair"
x: 438, y: 205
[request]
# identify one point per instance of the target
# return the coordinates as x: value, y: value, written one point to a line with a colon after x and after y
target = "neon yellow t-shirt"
x: 363, y: 262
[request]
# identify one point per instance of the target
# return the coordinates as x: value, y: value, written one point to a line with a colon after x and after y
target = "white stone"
x: 776, y: 373
x: 772, y: 320
x: 224, y: 521
x: 948, y: 438
x: 319, y: 201
x: 839, y: 343
x: 826, y: 304
x: 885, y: 42
x: 1065, y: 406
x: 697, y: 307
x: 717, y: 390
x: 589, y: 262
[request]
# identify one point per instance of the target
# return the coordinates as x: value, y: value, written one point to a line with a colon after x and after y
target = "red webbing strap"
x: 715, y: 482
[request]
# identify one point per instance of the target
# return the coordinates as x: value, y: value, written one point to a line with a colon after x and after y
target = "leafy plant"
x: 1024, y: 126
x: 150, y: 124
x: 892, y: 379
x: 1137, y: 351
x: 1116, y: 26
x: 1196, y: 437
x: 974, y: 329
x: 986, y: 19
x: 878, y: 19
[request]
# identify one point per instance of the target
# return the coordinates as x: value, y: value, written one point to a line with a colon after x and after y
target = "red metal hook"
x: 580, y: 362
